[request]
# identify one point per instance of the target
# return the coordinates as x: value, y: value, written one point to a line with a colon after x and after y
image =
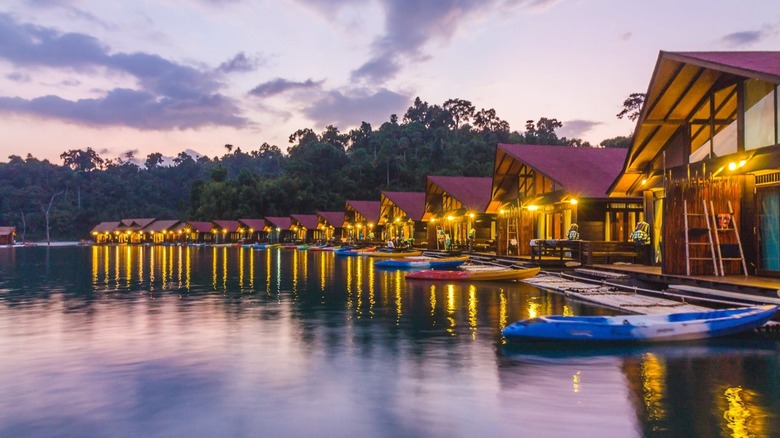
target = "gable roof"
x: 333, y: 218
x: 200, y: 226
x: 134, y: 224
x: 230, y: 226
x: 368, y: 209
x: 281, y: 222
x: 411, y: 203
x: 585, y: 172
x: 7, y: 231
x: 161, y: 225
x: 679, y: 83
x: 308, y: 221
x: 472, y: 192
x: 254, y: 224
x: 105, y: 227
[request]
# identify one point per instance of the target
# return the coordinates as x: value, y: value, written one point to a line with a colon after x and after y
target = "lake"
x: 129, y: 341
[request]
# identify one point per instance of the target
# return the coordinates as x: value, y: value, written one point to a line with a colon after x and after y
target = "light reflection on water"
x: 171, y: 341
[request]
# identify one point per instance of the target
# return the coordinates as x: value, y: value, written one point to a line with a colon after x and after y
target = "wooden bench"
x: 595, y: 252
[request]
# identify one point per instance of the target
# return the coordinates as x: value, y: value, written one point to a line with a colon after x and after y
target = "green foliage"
x: 319, y: 172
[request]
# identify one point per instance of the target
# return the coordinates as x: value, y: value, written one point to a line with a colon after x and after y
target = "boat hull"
x: 441, y: 263
x: 491, y: 275
x: 390, y: 254
x: 641, y: 328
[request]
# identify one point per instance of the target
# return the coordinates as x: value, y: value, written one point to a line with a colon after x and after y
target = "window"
x: 759, y: 114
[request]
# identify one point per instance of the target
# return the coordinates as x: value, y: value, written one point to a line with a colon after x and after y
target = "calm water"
x: 141, y: 341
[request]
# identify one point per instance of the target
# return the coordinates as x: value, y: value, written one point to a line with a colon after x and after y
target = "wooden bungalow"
x: 131, y: 230
x: 305, y: 228
x: 198, y: 231
x: 331, y: 223
x: 279, y: 229
x: 453, y: 207
x: 361, y: 218
x: 227, y: 231
x: 539, y: 191
x: 105, y: 232
x: 708, y: 136
x: 253, y: 230
x: 164, y: 231
x: 7, y: 235
x: 401, y: 215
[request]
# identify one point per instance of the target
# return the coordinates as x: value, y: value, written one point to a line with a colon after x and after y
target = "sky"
x: 168, y: 76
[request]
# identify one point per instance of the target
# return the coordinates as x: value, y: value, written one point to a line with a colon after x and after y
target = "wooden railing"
x: 587, y: 252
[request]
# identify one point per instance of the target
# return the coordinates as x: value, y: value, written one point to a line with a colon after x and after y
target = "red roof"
x: 309, y: 221
x: 7, y: 231
x: 333, y: 218
x: 587, y: 172
x: 473, y: 192
x: 255, y: 224
x: 161, y: 225
x: 281, y: 222
x: 231, y: 226
x: 104, y: 227
x: 411, y: 203
x: 369, y: 209
x: 200, y: 227
x: 741, y: 63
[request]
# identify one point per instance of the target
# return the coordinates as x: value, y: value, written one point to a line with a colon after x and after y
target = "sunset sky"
x: 173, y: 75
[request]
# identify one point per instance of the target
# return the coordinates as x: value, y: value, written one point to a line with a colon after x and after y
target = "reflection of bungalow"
x: 104, y: 232
x: 453, y: 206
x: 332, y: 224
x: 226, y: 231
x: 401, y: 214
x: 361, y: 218
x: 164, y: 231
x: 253, y: 230
x: 708, y: 133
x: 304, y: 226
x: 7, y: 235
x: 540, y: 190
x: 278, y: 229
x: 130, y: 230
x: 199, y: 231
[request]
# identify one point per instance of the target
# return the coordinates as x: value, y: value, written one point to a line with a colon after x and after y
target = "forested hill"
x: 318, y: 172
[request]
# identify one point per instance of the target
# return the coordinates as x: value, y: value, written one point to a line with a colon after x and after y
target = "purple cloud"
x: 576, y: 128
x: 338, y: 109
x: 239, y: 63
x: 171, y: 95
x: 280, y: 85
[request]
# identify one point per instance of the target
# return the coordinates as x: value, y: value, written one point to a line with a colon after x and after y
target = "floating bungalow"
x: 331, y: 223
x: 304, y: 226
x: 7, y: 235
x: 361, y: 218
x: 401, y: 215
x: 227, y: 231
x: 539, y: 191
x: 706, y: 145
x: 253, y: 230
x: 199, y: 231
x: 454, y: 206
x: 163, y: 231
x: 279, y: 229
x: 131, y: 230
x: 104, y: 232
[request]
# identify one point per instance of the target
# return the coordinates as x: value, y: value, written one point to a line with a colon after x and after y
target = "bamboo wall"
x: 719, y: 191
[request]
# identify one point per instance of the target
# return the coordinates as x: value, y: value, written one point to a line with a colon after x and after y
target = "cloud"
x: 280, y: 85
x: 626, y: 36
x: 170, y: 95
x: 576, y: 128
x: 18, y: 77
x: 336, y: 108
x: 239, y: 63
x: 411, y: 24
x: 746, y: 38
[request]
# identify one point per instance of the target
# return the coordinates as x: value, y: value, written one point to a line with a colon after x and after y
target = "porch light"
x: 433, y: 219
x: 450, y: 218
x: 573, y: 201
x: 370, y: 225
x: 251, y: 231
x: 278, y: 229
x: 532, y: 207
x: 471, y: 215
x: 224, y: 230
x: 501, y: 212
x: 214, y: 231
x: 94, y: 233
x: 398, y: 219
x: 644, y: 181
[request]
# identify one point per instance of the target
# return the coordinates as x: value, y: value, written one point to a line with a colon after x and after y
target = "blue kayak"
x: 423, y: 262
x: 683, y: 326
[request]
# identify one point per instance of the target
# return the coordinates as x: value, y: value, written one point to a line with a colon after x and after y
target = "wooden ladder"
x: 512, y: 229
x: 731, y: 227
x: 700, y: 230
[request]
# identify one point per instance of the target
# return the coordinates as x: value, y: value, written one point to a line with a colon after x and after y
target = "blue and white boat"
x: 683, y: 326
x: 423, y: 262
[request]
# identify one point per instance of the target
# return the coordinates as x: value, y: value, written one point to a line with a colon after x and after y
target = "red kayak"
x: 475, y: 274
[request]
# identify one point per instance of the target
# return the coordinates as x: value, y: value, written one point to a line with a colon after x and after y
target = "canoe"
x: 264, y: 245
x: 495, y: 274
x: 423, y: 262
x: 682, y: 326
x: 390, y: 254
